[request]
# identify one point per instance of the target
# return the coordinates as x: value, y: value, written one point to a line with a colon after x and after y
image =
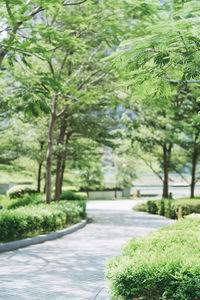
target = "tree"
x: 68, y: 50
x: 190, y: 127
x: 157, y: 59
x: 87, y: 121
x: 125, y: 167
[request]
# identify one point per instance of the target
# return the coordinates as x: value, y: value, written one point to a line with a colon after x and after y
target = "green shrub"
x: 169, y: 207
x: 163, y: 265
x: 27, y: 200
x: 152, y: 207
x: 161, y: 207
x: 20, y: 190
x: 1, y: 206
x: 71, y: 195
x: 26, y: 221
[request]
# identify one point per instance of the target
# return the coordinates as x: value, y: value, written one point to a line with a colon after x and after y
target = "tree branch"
x: 74, y: 3
x: 97, y: 79
x: 9, y: 11
x: 87, y: 80
x: 148, y: 163
x: 62, y: 112
x: 184, y: 81
x: 63, y: 63
x: 51, y: 68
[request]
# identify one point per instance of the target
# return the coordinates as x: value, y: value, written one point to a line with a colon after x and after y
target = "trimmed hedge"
x: 71, y: 195
x: 25, y: 221
x: 34, y: 199
x: 20, y: 190
x: 163, y: 265
x: 169, y: 207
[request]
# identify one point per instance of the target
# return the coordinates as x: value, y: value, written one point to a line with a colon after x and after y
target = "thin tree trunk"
x: 59, y: 163
x: 166, y: 161
x: 68, y: 135
x: 62, y: 174
x: 39, y: 177
x: 193, y: 177
x: 44, y: 189
x: 49, y: 158
x: 40, y: 169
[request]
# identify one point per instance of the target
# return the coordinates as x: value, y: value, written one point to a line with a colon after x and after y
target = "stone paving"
x: 72, y: 267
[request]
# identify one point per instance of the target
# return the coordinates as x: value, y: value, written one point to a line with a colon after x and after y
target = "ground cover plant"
x: 169, y: 207
x: 163, y: 265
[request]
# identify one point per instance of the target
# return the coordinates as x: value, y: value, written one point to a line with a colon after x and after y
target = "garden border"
x: 41, y: 238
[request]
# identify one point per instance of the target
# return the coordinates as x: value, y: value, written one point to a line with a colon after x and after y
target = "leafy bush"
x: 163, y: 265
x: 20, y: 190
x: 1, y: 206
x: 169, y: 207
x: 71, y: 195
x: 25, y: 221
x: 152, y: 207
x: 27, y: 200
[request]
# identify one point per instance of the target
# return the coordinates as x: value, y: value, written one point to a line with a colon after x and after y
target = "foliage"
x: 35, y: 219
x: 160, y: 80
x: 24, y: 200
x: 169, y: 207
x: 124, y: 160
x: 20, y: 190
x: 162, y: 265
x: 71, y: 195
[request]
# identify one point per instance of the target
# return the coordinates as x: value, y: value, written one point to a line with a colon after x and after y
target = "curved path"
x: 72, y: 267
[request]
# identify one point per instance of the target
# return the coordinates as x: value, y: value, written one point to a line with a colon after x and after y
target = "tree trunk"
x: 193, y: 175
x: 39, y: 177
x: 59, y: 163
x: 40, y: 169
x: 166, y: 161
x: 68, y: 135
x: 44, y: 189
x: 62, y: 174
x: 49, y: 158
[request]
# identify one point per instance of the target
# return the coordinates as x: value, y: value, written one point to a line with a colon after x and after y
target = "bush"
x: 163, y: 265
x: 71, y: 195
x: 152, y: 207
x: 26, y: 200
x: 19, y: 191
x: 26, y: 221
x: 169, y: 207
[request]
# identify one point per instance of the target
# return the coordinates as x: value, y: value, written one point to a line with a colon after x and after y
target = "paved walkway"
x: 72, y: 267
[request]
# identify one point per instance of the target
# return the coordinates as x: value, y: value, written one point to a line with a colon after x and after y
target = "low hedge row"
x: 35, y: 219
x: 21, y: 190
x: 169, y: 207
x: 71, y: 195
x: 34, y: 199
x: 163, y: 265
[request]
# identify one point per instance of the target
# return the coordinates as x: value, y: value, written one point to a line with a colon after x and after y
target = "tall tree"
x: 63, y: 73
x: 161, y: 54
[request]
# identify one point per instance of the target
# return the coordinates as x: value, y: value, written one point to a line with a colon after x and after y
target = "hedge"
x: 169, y: 207
x: 36, y: 219
x: 71, y: 195
x: 34, y: 199
x: 163, y: 265
x: 21, y: 190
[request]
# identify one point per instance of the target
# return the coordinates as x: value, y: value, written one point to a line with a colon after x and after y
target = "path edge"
x: 10, y: 246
